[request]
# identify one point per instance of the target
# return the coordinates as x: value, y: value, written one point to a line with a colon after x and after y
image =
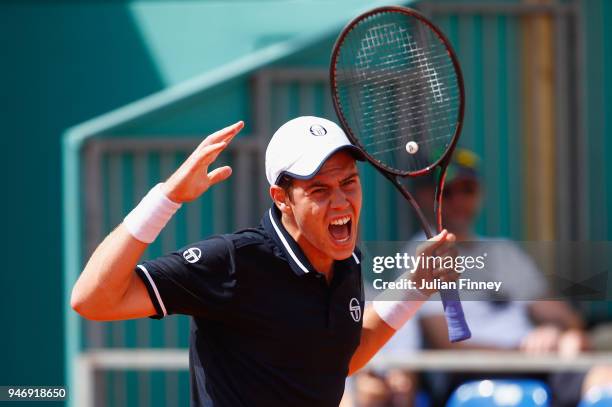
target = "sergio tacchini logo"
x: 317, y: 130
x: 192, y: 255
x: 355, y: 309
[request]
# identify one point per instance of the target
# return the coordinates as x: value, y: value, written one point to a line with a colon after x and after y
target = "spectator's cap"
x: 301, y: 146
x: 464, y: 165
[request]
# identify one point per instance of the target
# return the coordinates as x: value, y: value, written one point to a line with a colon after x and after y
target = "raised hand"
x: 192, y: 178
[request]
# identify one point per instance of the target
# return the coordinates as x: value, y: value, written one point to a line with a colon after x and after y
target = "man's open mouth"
x: 340, y: 228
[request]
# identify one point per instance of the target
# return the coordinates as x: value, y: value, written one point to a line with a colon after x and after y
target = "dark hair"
x: 285, y: 182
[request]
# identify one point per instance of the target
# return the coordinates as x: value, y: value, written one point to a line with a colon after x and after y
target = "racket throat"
x: 417, y: 210
x: 440, y: 174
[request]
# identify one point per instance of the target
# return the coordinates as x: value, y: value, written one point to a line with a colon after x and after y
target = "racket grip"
x: 458, y: 329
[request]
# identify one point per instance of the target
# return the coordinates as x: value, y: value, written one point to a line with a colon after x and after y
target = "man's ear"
x: 280, y: 198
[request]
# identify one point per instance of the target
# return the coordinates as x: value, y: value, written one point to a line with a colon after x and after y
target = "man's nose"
x: 339, y: 199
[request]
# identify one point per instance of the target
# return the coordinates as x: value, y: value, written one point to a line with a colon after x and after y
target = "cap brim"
x: 308, y: 173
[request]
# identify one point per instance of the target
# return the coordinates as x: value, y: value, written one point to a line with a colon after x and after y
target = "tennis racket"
x: 398, y: 91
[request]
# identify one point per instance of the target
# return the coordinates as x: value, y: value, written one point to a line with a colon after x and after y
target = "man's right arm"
x: 108, y: 288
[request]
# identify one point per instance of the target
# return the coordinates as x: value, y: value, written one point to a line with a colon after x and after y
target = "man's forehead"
x: 341, y: 162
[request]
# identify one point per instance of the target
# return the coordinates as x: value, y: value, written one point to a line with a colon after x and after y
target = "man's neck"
x: 321, y: 263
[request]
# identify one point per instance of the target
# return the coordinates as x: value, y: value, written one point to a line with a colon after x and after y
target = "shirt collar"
x: 291, y: 250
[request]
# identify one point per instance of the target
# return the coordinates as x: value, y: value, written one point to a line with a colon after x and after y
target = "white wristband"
x: 150, y: 216
x: 396, y: 313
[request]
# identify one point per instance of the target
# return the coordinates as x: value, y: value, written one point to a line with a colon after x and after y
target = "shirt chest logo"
x: 355, y: 309
x: 192, y: 255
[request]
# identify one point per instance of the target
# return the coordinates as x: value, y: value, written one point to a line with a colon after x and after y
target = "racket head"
x: 396, y: 83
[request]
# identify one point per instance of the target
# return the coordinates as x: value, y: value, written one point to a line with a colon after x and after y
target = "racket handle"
x: 458, y: 329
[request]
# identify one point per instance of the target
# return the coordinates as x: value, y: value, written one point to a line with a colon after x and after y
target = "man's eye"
x: 317, y: 191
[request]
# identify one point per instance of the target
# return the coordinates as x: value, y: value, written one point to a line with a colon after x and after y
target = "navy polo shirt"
x: 267, y: 329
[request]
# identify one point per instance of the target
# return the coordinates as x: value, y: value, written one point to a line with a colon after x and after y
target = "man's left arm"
x: 374, y: 334
x: 385, y: 316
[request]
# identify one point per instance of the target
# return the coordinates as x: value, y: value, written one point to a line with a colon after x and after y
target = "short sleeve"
x: 198, y: 280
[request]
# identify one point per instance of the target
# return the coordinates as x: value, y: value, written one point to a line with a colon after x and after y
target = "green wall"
x: 61, y: 64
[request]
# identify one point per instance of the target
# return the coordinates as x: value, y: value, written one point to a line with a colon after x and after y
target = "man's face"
x: 461, y: 203
x: 326, y: 208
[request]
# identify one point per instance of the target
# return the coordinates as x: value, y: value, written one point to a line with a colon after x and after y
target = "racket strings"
x: 417, y: 126
x: 421, y: 141
x: 397, y: 79
x: 413, y: 109
x: 378, y: 152
x: 373, y: 140
x: 392, y: 86
x: 354, y: 103
x: 409, y: 49
x: 422, y: 58
x: 396, y: 83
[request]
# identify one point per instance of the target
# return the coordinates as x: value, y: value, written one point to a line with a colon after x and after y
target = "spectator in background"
x: 510, y: 321
x: 516, y: 319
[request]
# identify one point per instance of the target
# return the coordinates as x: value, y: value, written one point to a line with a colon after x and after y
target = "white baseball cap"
x: 301, y: 146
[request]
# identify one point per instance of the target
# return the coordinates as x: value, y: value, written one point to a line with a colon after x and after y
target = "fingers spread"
x: 210, y: 153
x: 226, y: 134
x: 219, y: 174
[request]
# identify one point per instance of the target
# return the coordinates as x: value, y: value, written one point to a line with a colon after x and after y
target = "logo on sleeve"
x: 192, y: 255
x: 355, y: 309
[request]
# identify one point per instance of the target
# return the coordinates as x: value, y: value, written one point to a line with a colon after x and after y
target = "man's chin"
x: 342, y: 252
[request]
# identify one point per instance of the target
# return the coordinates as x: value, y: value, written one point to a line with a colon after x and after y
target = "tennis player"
x: 277, y: 311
